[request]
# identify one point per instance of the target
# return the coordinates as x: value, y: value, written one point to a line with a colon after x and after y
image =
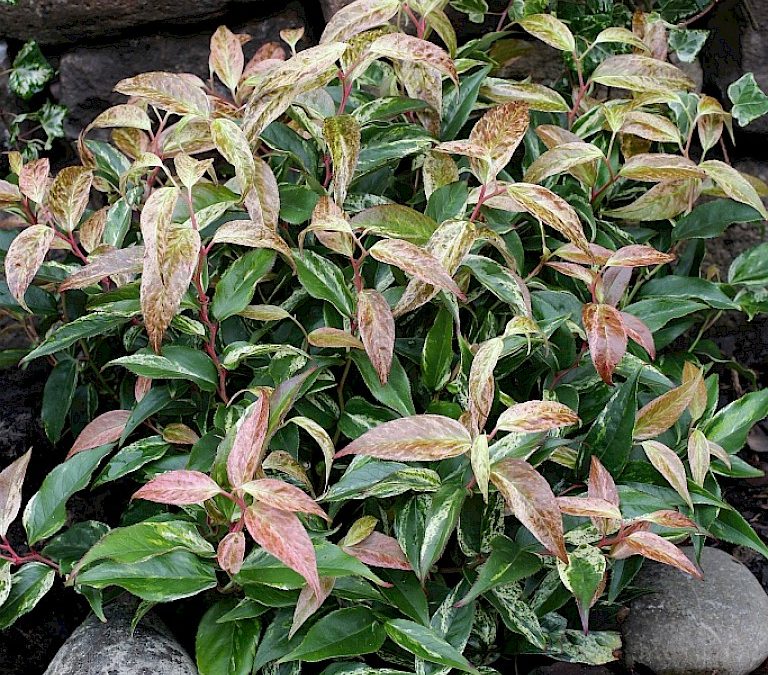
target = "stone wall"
x: 95, y: 43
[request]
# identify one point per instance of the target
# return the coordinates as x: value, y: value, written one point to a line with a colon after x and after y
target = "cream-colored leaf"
x: 68, y: 196
x: 226, y: 59
x: 24, y: 257
x: 175, y: 92
x: 357, y: 17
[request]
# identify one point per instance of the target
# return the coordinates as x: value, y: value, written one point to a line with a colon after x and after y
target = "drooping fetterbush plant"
x: 405, y: 359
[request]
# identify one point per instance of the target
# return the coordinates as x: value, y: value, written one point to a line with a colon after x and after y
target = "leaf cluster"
x: 406, y: 359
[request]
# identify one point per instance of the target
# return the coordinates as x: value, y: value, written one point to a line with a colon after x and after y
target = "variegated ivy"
x: 394, y: 351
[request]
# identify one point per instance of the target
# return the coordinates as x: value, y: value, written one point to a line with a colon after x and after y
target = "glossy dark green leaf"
x: 750, y: 268
x: 345, y: 632
x: 390, y: 143
x: 324, y: 281
x: 437, y: 356
x: 396, y: 393
x: 175, y: 363
x: 72, y: 544
x: 131, y: 458
x: 57, y: 397
x: 729, y: 427
x: 235, y: 289
x: 28, y: 585
x: 46, y: 513
x: 460, y: 102
x: 406, y: 594
x: 426, y: 644
x: 225, y: 647
x: 687, y: 288
x: 297, y: 203
x: 713, y: 218
x: 175, y: 575
x: 610, y: 436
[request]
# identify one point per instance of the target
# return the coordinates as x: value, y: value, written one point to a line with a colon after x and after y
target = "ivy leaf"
x: 749, y: 101
x: 30, y: 72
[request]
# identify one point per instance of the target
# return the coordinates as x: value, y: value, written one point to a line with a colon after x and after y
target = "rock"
x: 562, y: 668
x: 717, y: 625
x: 330, y: 7
x: 88, y: 74
x: 7, y: 103
x: 739, y: 31
x: 97, y: 648
x: 71, y: 21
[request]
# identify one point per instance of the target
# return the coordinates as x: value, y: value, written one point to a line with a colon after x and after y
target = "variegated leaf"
x: 535, y: 96
x: 322, y: 439
x: 561, y: 159
x: 498, y: 132
x: 226, y: 59
x: 669, y: 465
x: 589, y: 507
x: 104, y: 429
x: 254, y: 235
x: 379, y: 550
x: 550, y: 209
x: 638, y: 255
x: 698, y: 456
x: 24, y: 257
x: 231, y: 142
x: 281, y: 534
x: 120, y: 261
x: 68, y: 195
x: 125, y: 115
x: 698, y: 403
x: 309, y: 602
x: 231, y: 552
x: 178, y: 488
x: 639, y: 332
x: 342, y: 134
x: 377, y: 330
x: 481, y: 464
x: 533, y: 416
x: 549, y: 30
x: 402, y: 47
x: 11, y: 482
x: 283, y: 496
x: 662, y: 412
x: 327, y: 337
x: 734, y: 184
x: 606, y: 336
x: 641, y: 74
x: 531, y: 499
x: 482, y: 385
x: 415, y: 261
x: 358, y: 16
x: 33, y: 179
x: 419, y: 438
x: 654, y: 547
x: 175, y: 92
x: 655, y: 168
x: 248, y: 446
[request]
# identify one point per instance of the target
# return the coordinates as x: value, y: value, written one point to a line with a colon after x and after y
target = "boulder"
x: 88, y: 74
x: 737, y: 45
x: 692, y: 627
x: 71, y: 21
x: 97, y: 648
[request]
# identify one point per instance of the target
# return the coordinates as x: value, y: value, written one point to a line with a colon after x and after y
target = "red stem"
x: 16, y: 559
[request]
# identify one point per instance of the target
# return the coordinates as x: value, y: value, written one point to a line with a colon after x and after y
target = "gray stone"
x: 330, y: 7
x: 97, y: 648
x: 88, y: 74
x: 7, y: 102
x: 70, y: 21
x: 717, y: 625
x: 739, y: 34
x: 562, y: 668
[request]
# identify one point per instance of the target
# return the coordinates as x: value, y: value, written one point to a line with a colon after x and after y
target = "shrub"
x: 373, y: 333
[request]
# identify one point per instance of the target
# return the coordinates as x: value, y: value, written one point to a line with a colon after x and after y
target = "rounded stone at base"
x: 718, y: 625
x: 97, y: 648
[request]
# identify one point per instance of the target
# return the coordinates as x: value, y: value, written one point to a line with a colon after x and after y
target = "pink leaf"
x: 106, y: 428
x: 248, y: 448
x: 231, y: 552
x: 419, y: 438
x: 11, y: 480
x: 309, y: 602
x: 281, y: 534
x: 179, y: 488
x: 379, y: 550
x: 654, y: 547
x: 377, y: 330
x: 281, y: 495
x: 639, y: 332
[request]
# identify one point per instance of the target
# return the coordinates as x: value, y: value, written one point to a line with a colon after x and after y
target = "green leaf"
x: 46, y: 511
x: 57, y: 397
x: 175, y: 575
x: 28, y: 585
x: 507, y: 564
x: 118, y: 223
x: 175, y: 363
x: 153, y: 402
x: 86, y: 326
x: 460, y: 102
x: 610, y: 436
x: 583, y: 576
x: 729, y: 427
x: 324, y: 281
x: 131, y: 458
x: 387, y: 107
x: 658, y: 312
x: 275, y: 642
x: 390, y: 143
x: 448, y: 201
x: 296, y: 203
x: 731, y: 526
x: 711, y: 219
x: 235, y: 289
x: 396, y: 393
x: 145, y: 540
x: 687, y: 43
x: 406, y: 594
x: 30, y: 73
x: 439, y: 524
x: 228, y: 647
x: 395, y: 221
x: 453, y: 623
x: 749, y: 101
x: 72, y: 544
x: 751, y: 267
x: 343, y: 632
x: 437, y: 355
x: 498, y: 280
x: 687, y: 288
x: 426, y: 644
